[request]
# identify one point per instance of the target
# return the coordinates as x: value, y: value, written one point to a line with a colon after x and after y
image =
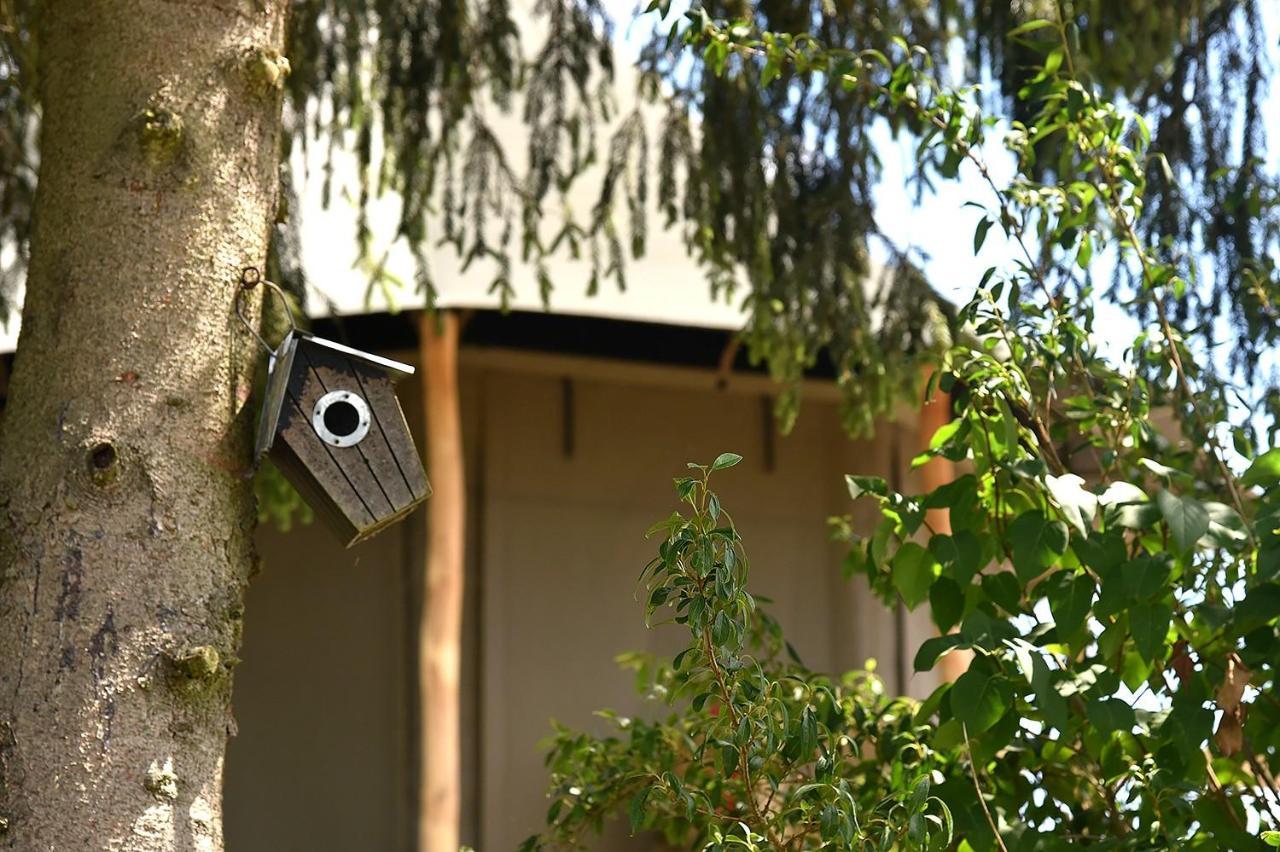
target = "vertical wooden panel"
x: 386, y: 424
x: 307, y: 463
x: 330, y: 371
x: 440, y: 628
x: 382, y: 399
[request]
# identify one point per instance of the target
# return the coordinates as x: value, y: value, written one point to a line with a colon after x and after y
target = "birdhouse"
x: 333, y: 426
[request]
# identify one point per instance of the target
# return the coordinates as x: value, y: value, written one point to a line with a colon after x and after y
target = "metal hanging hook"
x: 250, y: 278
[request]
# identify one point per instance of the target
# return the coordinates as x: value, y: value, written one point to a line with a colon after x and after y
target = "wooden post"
x: 934, y: 414
x: 440, y: 625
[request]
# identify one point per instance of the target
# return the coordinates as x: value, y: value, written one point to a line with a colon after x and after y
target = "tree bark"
x: 440, y: 627
x: 126, y: 510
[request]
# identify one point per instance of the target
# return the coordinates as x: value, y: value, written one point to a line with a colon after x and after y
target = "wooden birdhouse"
x: 332, y: 424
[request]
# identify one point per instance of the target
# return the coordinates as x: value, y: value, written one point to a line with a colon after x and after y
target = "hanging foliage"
x: 767, y: 170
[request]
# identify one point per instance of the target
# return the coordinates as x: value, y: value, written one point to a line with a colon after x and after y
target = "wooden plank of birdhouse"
x: 322, y: 493
x: 378, y: 444
x: 302, y: 458
x: 328, y: 371
x: 315, y: 456
x: 382, y: 398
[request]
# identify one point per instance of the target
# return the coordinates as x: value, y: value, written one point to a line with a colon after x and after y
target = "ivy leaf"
x: 1037, y: 541
x: 1149, y: 624
x: 1186, y: 517
x: 980, y: 698
x: 914, y: 569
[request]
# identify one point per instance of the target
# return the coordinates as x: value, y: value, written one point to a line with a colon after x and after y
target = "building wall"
x: 568, y: 463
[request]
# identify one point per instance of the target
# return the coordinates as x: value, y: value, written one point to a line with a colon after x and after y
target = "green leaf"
x: 1030, y: 26
x: 1264, y: 472
x: 1110, y: 714
x: 1078, y: 505
x: 637, y: 809
x: 1149, y: 624
x: 961, y: 554
x: 1122, y: 493
x: 1186, y: 518
x: 1003, y: 588
x: 684, y: 487
x: 1271, y: 838
x: 1037, y: 542
x: 913, y: 572
x: 933, y: 648
x: 1159, y: 468
x: 725, y: 460
x: 979, y: 698
x: 980, y: 234
x: 1101, y: 552
x: 1052, y: 63
x: 1137, y: 516
x: 770, y: 71
x: 860, y: 485
x: 1260, y: 606
x: 945, y: 433
x: 1048, y: 699
x: 1085, y: 254
x: 946, y: 601
x: 1070, y: 602
x: 1145, y: 576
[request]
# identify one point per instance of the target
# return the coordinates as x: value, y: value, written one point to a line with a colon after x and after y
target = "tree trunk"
x: 125, y: 509
x: 440, y: 628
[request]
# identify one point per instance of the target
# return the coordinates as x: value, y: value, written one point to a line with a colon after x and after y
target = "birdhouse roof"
x: 395, y: 368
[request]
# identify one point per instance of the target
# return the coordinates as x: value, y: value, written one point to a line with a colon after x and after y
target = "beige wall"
x: 323, y: 760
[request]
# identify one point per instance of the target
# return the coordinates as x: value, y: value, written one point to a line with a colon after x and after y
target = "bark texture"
x: 125, y: 508
x: 440, y: 625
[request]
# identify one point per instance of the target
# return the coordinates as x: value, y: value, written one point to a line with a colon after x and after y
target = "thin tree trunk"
x: 125, y: 511
x: 440, y: 629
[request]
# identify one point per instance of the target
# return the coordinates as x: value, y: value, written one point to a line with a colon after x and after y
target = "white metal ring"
x: 362, y: 418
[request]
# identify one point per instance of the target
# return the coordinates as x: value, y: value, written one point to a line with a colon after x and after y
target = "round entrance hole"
x: 341, y: 418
